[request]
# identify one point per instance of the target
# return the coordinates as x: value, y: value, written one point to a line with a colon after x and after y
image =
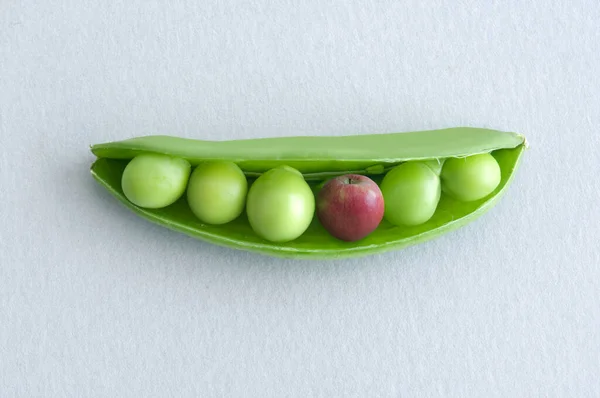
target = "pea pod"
x: 318, y: 158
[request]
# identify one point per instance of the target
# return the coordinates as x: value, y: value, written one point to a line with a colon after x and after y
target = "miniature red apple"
x: 350, y: 207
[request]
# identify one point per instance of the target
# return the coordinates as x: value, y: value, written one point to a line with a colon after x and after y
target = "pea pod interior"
x: 318, y: 158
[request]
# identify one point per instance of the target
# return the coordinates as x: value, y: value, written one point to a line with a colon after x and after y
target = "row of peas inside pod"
x: 280, y: 204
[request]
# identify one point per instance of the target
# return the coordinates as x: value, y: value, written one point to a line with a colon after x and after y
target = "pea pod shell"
x: 320, y: 156
x: 317, y: 157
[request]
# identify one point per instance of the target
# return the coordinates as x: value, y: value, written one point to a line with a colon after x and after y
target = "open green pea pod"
x: 318, y: 158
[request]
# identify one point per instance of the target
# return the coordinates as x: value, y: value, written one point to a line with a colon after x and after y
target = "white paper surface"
x: 96, y: 302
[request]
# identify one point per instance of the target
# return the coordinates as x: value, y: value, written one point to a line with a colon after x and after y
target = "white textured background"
x: 96, y: 302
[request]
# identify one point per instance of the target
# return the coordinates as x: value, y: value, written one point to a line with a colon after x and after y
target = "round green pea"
x: 217, y: 192
x: 470, y: 178
x: 153, y: 180
x: 280, y: 205
x: 411, y: 192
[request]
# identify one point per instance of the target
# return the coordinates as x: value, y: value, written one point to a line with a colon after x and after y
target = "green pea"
x: 217, y: 191
x: 411, y: 193
x: 280, y: 205
x: 154, y: 181
x: 470, y: 178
